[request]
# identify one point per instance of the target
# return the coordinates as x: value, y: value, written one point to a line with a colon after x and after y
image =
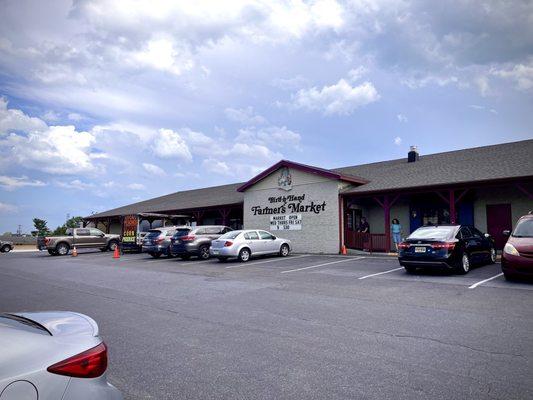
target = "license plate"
x: 420, y: 249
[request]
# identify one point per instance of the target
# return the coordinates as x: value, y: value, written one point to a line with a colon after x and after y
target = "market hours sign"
x: 286, y: 222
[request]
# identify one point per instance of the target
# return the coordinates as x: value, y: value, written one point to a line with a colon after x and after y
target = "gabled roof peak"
x: 304, y: 168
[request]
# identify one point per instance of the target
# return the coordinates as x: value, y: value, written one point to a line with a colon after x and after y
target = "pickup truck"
x: 81, y: 238
x: 5, y: 247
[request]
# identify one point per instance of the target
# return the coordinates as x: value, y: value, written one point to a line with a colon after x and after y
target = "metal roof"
x: 479, y: 164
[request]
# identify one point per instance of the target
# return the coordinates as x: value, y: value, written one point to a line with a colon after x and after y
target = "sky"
x: 108, y: 102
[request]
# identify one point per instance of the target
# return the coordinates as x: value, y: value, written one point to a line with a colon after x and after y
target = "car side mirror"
x: 506, y: 232
x: 273, y: 237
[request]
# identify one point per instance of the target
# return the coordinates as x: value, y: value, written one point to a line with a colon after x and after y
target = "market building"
x: 320, y: 209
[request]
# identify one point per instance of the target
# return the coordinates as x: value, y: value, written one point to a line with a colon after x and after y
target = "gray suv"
x: 189, y: 241
x: 157, y: 241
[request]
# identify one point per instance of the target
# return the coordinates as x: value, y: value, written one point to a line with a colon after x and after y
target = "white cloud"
x: 169, y: 144
x: 14, y: 182
x: 521, y: 74
x: 16, y: 120
x: 51, y: 116
x: 153, y: 169
x: 8, y: 208
x: 397, y: 141
x: 56, y: 150
x: 274, y: 136
x: 356, y: 73
x: 341, y: 98
x: 245, y: 116
x: 136, y: 186
x: 75, y: 117
x: 216, y: 166
x: 75, y: 184
x: 401, y: 118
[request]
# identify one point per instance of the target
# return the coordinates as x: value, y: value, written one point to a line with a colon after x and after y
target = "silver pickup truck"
x: 81, y: 238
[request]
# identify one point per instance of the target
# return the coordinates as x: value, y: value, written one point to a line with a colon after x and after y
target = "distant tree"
x: 7, y: 234
x: 74, y: 222
x: 40, y: 226
x: 60, y: 231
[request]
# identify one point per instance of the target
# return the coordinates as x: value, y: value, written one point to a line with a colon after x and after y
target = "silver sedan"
x: 52, y: 355
x: 247, y: 243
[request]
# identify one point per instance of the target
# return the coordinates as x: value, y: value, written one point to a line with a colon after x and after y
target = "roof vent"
x: 412, y: 156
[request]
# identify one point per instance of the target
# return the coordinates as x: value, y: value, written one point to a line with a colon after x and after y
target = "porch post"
x: 224, y: 212
x: 108, y: 227
x: 525, y: 191
x: 452, y: 206
x: 198, y: 216
x: 386, y: 212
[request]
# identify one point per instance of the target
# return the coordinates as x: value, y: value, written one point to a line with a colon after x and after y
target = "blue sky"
x: 105, y: 102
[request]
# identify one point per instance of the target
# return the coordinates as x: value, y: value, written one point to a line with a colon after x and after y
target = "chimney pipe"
x: 412, y: 156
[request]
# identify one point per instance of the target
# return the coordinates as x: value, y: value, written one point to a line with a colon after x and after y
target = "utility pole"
x: 19, y: 230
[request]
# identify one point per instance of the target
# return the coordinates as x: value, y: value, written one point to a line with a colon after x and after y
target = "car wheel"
x: 284, y: 250
x: 185, y: 257
x: 203, y: 252
x: 244, y: 255
x: 222, y: 259
x: 62, y: 249
x: 492, y: 255
x: 6, y: 248
x: 464, y: 266
x: 409, y: 269
x: 155, y: 255
x: 112, y: 245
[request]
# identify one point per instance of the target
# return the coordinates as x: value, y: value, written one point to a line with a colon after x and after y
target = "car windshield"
x: 153, y: 234
x: 433, y: 233
x: 230, y: 235
x: 182, y: 232
x: 524, y: 228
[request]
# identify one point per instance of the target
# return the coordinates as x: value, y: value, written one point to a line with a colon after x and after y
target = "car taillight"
x: 89, y: 364
x: 444, y: 245
x: 404, y: 245
x: 228, y: 243
x: 159, y: 240
x: 188, y: 238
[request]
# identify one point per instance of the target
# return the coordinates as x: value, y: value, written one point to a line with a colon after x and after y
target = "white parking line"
x: 475, y: 285
x: 320, y: 265
x: 267, y: 261
x: 380, y: 273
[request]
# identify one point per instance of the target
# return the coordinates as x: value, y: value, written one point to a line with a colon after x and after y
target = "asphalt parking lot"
x: 301, y: 327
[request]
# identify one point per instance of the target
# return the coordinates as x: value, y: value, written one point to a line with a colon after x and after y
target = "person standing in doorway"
x: 396, y: 230
x: 364, y: 227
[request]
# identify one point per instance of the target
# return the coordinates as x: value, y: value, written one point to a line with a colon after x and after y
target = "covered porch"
x: 491, y: 207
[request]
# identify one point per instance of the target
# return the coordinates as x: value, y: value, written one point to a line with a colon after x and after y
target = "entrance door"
x: 498, y: 220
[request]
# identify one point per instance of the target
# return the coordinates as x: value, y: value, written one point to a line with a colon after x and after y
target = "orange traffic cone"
x: 343, y: 250
x: 116, y: 254
x: 74, y: 252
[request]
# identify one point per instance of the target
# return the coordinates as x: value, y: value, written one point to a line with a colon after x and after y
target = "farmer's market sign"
x: 289, y: 204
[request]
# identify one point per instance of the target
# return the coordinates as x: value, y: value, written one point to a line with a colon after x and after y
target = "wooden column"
x: 387, y: 203
x: 525, y: 191
x: 198, y: 216
x: 451, y: 202
x: 224, y: 212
